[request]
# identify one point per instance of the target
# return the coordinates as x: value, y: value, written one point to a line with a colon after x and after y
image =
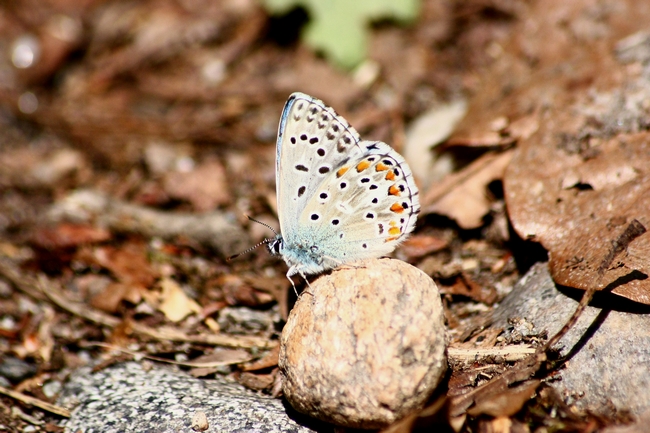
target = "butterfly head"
x: 275, y: 245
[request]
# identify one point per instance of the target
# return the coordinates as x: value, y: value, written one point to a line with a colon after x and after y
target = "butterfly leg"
x: 293, y: 270
x: 289, y: 274
x: 306, y: 281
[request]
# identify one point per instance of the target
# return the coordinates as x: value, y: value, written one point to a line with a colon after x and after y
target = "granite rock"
x: 128, y: 397
x: 608, y: 350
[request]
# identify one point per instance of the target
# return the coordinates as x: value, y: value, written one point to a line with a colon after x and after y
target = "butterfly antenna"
x: 264, y: 242
x: 264, y: 224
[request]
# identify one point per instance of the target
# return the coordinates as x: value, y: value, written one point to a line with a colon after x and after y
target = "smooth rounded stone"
x: 127, y: 397
x: 609, y: 350
x: 366, y: 346
x: 15, y: 369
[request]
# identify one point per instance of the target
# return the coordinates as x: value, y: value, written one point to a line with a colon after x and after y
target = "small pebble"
x: 200, y: 421
x: 16, y: 370
x: 52, y: 388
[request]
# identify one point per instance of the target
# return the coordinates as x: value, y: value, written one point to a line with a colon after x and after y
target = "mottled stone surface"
x: 609, y: 348
x: 127, y: 398
x: 366, y: 346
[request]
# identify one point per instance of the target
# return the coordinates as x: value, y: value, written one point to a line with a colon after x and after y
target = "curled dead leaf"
x: 463, y: 195
x: 174, y: 303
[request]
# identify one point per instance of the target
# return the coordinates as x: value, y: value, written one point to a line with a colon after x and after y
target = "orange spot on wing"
x: 394, y: 231
x: 392, y: 238
x: 396, y: 207
x: 362, y: 166
x: 342, y: 171
x: 390, y: 175
x: 393, y: 190
x: 381, y: 167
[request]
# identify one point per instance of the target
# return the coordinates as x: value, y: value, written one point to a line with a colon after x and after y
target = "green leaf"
x: 340, y: 27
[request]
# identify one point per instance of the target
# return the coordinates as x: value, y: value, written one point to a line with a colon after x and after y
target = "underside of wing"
x: 312, y: 141
x: 365, y: 207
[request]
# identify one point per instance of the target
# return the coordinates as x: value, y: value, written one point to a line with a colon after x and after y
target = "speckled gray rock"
x: 126, y: 397
x: 366, y: 347
x: 609, y: 350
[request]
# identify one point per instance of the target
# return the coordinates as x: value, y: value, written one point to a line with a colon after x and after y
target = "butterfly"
x: 340, y: 198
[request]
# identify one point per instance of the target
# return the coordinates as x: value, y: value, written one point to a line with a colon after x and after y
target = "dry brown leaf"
x: 128, y: 263
x: 426, y: 132
x: 220, y: 356
x: 257, y: 381
x: 39, y: 166
x: 205, y: 186
x: 502, y: 132
x: 174, y: 303
x: 482, y: 139
x: 464, y: 285
x: 110, y: 298
x: 507, y: 402
x: 67, y: 235
x: 577, y: 205
x: 578, y: 173
x: 420, y: 245
x: 267, y: 361
x: 463, y: 196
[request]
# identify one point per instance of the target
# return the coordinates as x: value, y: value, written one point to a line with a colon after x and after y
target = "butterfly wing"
x: 312, y: 141
x: 364, y: 207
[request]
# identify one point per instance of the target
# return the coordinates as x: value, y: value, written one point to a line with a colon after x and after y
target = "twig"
x: 632, y: 231
x: 43, y: 289
x: 528, y: 367
x: 521, y: 371
x: 217, y: 230
x: 507, y: 353
x: 192, y: 364
x: 26, y: 285
x: 58, y: 410
x: 161, y: 333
